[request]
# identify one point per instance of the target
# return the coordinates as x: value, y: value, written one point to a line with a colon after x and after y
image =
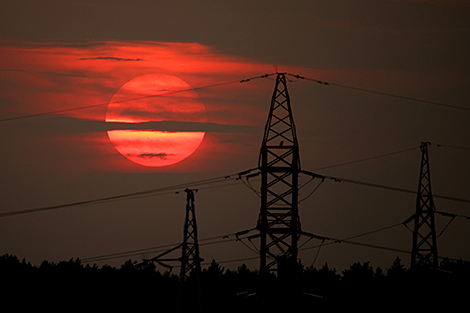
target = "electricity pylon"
x: 189, y: 259
x: 424, y: 251
x: 279, y: 163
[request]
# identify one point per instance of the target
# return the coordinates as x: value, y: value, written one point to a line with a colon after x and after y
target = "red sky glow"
x: 105, y: 98
x: 129, y: 83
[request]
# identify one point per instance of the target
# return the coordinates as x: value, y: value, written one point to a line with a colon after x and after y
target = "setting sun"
x: 155, y: 98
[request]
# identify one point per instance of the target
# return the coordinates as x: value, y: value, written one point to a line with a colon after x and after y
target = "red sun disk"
x: 155, y: 98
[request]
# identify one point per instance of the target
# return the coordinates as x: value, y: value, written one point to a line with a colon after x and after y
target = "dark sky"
x: 56, y: 55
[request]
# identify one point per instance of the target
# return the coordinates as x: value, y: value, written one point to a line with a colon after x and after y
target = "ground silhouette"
x: 73, y: 286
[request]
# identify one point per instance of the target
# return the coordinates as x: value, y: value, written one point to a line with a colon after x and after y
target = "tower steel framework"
x: 424, y: 251
x: 189, y: 259
x: 279, y: 163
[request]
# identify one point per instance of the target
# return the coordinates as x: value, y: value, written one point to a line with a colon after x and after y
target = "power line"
x: 127, y: 253
x: 223, y: 179
x: 134, y: 195
x: 225, y: 238
x: 380, y: 93
x: 199, y: 183
x: 349, y: 241
x: 365, y: 245
x: 453, y: 147
x: 228, y: 83
x: 167, y: 190
x: 368, y: 159
x: 337, y: 179
x: 133, y: 99
x: 453, y: 215
x: 313, y: 191
x: 378, y: 185
x: 123, y: 196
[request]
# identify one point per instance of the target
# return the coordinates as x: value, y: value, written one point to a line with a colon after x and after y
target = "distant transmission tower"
x: 279, y: 162
x: 424, y: 251
x: 189, y: 259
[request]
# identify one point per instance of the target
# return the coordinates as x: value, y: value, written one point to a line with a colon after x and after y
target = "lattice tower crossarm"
x: 279, y: 163
x: 424, y: 250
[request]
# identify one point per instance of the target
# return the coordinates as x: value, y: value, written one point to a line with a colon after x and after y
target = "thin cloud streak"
x: 110, y: 59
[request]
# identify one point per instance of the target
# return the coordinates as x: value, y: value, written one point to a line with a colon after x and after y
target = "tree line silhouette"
x: 73, y: 286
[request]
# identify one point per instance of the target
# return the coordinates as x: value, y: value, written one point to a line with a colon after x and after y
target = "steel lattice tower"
x: 190, y: 256
x: 189, y: 259
x: 279, y: 162
x: 424, y: 251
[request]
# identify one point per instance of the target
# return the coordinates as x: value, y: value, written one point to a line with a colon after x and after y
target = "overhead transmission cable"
x: 368, y: 159
x: 238, y: 238
x: 357, y: 182
x: 380, y: 93
x: 123, y: 196
x: 230, y: 177
x: 388, y: 187
x: 203, y: 242
x: 225, y: 239
x: 451, y: 146
x: 133, y: 99
x: 349, y: 239
x: 228, y: 83
x: 366, y: 183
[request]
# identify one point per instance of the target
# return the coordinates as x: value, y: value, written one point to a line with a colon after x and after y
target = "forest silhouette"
x: 73, y: 286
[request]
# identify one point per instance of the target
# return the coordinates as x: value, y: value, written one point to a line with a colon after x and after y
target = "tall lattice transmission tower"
x: 279, y: 163
x: 190, y: 260
x: 424, y: 250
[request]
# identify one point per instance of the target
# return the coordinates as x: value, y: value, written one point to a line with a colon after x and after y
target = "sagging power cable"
x: 159, y: 191
x: 357, y: 182
x: 202, y: 242
x: 380, y: 93
x: 133, y: 99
